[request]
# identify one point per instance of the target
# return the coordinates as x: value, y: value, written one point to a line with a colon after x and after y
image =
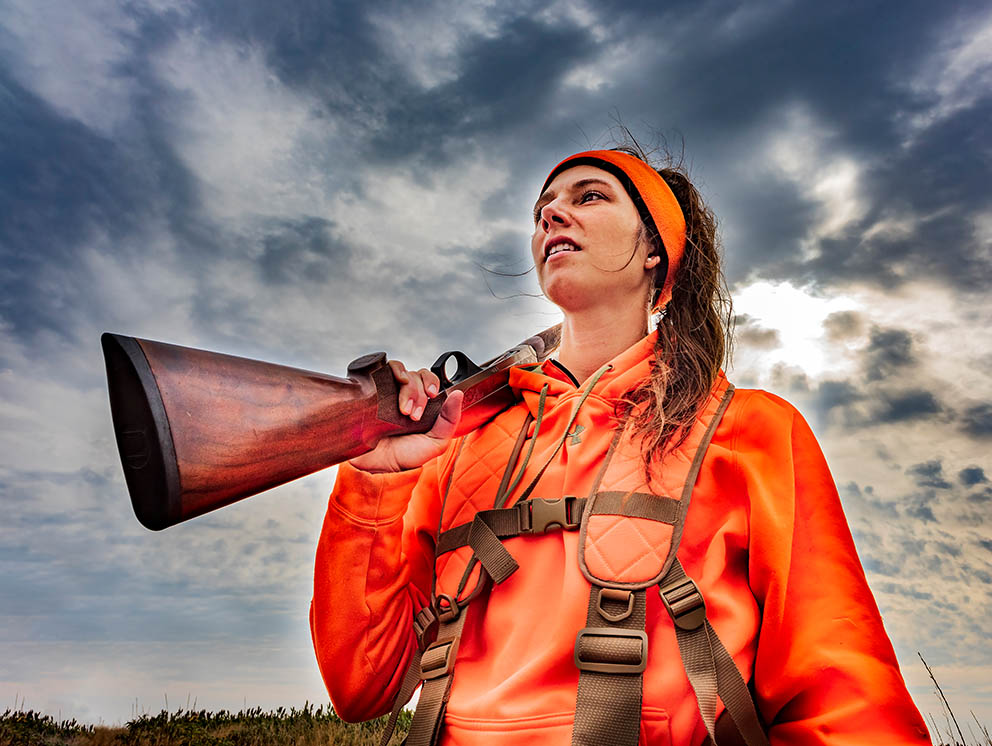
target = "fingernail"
x: 432, y: 389
x: 407, y: 406
x: 419, y: 411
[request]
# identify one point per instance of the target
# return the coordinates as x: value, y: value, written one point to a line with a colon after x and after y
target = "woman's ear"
x: 652, y: 261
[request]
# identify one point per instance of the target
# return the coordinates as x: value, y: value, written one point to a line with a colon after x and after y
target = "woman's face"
x: 587, y: 244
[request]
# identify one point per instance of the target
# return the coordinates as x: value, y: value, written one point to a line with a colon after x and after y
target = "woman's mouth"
x: 559, y: 247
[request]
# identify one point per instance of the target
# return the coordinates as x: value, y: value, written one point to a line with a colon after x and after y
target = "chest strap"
x: 534, y: 516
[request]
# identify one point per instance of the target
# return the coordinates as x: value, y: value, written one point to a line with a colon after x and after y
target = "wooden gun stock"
x: 199, y: 430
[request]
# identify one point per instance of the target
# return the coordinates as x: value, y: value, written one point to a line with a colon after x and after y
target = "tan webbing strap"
x: 533, y: 516
x: 425, y: 626
x: 409, y: 685
x: 436, y: 666
x: 735, y: 695
x: 637, y: 505
x: 489, y: 550
x: 709, y: 667
x: 611, y: 653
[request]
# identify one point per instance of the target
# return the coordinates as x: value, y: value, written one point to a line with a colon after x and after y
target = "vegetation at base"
x: 307, y: 726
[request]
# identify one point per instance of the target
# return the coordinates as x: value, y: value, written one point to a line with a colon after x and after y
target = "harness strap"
x: 425, y: 626
x: 436, y: 668
x: 611, y: 653
x: 529, y: 517
x: 709, y: 667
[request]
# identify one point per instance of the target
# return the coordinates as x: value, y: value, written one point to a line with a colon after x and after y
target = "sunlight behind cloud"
x: 797, y: 315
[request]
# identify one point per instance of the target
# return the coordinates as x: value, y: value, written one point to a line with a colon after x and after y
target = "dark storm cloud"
x: 889, y: 351
x: 977, y: 421
x: 60, y: 182
x: 862, y: 98
x: 929, y: 474
x: 981, y: 497
x: 972, y: 475
x: 920, y: 506
x: 905, y: 406
x: 303, y: 248
x: 836, y: 395
x: 749, y: 332
x: 843, y: 325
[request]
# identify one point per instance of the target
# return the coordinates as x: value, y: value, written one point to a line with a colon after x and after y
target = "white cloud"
x: 403, y: 28
x: 257, y: 147
x: 797, y: 314
x: 955, y: 74
x: 73, y: 55
x: 801, y: 148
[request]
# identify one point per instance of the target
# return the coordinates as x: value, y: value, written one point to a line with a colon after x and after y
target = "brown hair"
x: 693, y: 329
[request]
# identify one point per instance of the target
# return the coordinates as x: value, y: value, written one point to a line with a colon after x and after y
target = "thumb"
x: 447, y: 418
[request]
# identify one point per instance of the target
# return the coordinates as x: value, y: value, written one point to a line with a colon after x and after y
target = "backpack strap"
x: 708, y: 665
x: 436, y: 668
x: 628, y: 542
x: 611, y: 653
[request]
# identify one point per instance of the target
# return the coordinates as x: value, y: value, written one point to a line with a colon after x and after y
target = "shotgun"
x: 198, y: 430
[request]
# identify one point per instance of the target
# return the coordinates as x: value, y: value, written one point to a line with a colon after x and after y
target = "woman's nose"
x: 550, y: 214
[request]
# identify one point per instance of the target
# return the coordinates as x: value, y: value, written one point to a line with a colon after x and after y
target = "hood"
x: 627, y: 370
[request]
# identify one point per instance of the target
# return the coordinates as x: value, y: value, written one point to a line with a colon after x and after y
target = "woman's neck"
x: 592, y: 338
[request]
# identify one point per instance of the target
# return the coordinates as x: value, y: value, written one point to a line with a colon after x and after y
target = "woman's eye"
x: 590, y: 196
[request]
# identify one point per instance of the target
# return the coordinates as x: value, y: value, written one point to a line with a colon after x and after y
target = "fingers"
x: 416, y: 388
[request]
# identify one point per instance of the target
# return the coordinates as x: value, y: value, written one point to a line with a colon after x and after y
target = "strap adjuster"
x: 425, y: 625
x: 633, y: 656
x: 439, y: 658
x: 538, y: 515
x: 685, y: 603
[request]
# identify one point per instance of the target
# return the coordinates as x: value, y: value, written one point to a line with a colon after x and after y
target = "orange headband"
x: 663, y: 209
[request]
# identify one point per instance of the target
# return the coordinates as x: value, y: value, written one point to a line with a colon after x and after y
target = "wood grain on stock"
x: 198, y: 430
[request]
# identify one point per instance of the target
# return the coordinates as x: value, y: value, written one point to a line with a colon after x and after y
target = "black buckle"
x: 538, y: 515
x: 425, y: 626
x: 439, y: 658
x: 685, y: 603
x: 604, y: 666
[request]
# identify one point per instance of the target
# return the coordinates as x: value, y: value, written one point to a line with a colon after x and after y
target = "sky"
x: 306, y: 182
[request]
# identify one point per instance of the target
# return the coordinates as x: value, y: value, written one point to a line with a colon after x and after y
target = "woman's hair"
x: 693, y: 328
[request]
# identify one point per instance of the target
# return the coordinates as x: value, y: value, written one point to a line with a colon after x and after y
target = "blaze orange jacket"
x: 765, y: 539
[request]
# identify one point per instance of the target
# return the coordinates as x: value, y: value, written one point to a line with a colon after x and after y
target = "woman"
x: 601, y: 635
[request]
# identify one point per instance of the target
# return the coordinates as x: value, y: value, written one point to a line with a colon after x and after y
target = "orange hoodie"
x: 765, y: 539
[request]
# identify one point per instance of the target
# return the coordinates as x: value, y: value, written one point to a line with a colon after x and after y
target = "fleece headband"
x: 649, y: 190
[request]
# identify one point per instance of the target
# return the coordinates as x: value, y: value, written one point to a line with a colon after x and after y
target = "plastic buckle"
x: 425, y: 626
x: 604, y: 666
x: 538, y: 515
x: 438, y: 658
x: 447, y: 608
x: 685, y: 603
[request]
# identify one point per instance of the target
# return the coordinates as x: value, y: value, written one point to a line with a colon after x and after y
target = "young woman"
x: 653, y: 622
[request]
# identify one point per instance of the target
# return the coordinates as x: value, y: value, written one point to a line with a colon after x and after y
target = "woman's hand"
x: 401, y: 452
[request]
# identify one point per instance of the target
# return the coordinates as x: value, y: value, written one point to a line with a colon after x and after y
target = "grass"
x: 307, y: 726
